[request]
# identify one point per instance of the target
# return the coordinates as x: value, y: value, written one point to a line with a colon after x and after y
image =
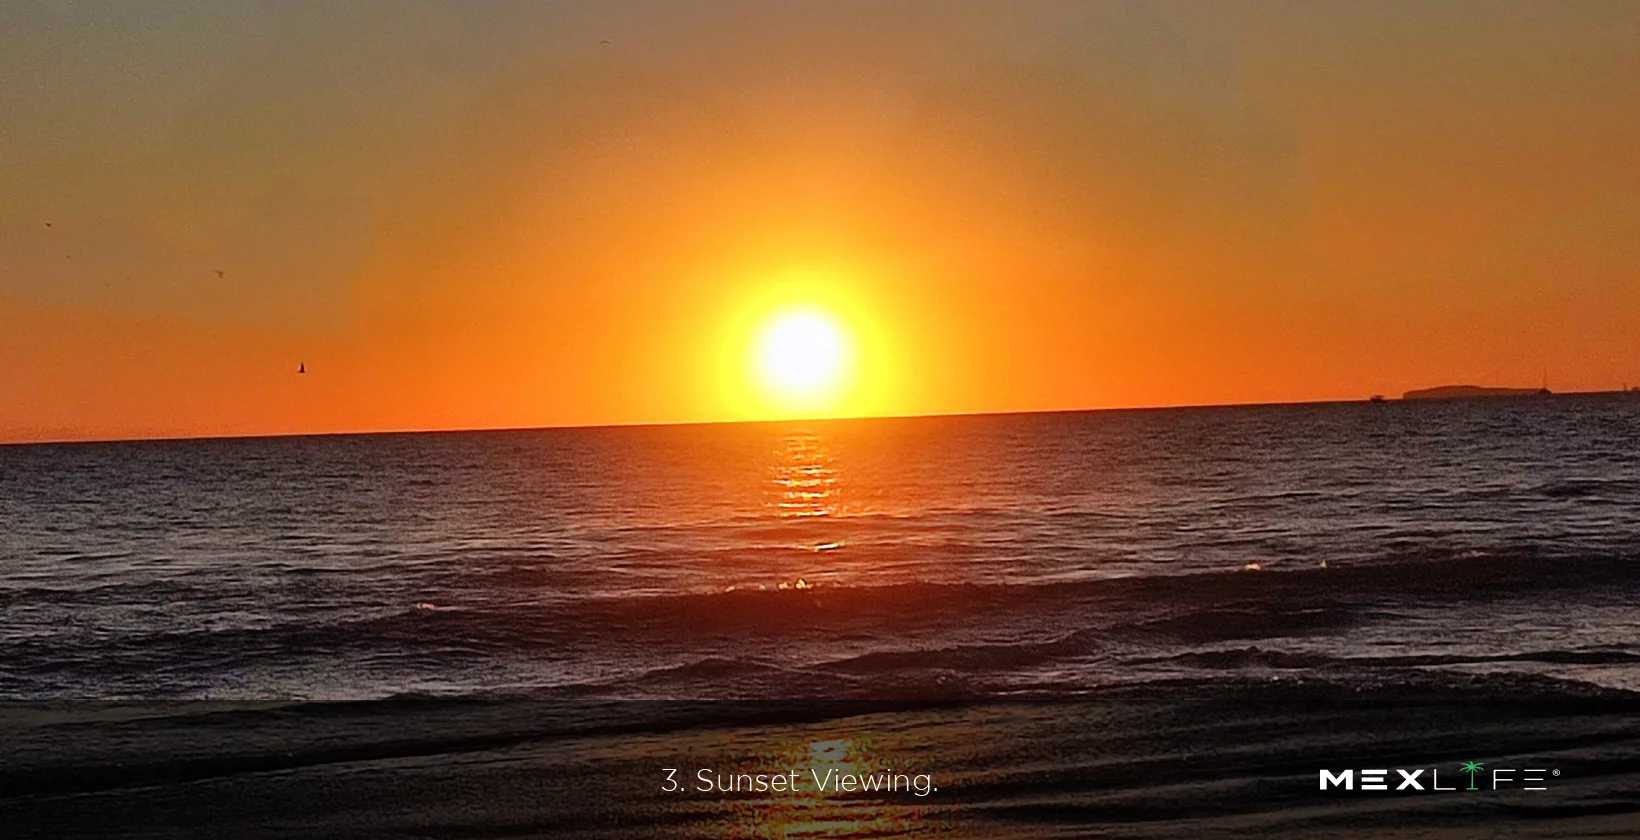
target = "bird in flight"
x: 220, y: 273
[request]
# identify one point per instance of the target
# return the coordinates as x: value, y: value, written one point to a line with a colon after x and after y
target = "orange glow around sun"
x: 809, y: 342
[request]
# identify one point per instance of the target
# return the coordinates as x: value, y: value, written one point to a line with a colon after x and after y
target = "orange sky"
x: 463, y: 215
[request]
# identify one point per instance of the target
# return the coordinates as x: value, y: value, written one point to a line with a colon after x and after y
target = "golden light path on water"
x: 804, y: 489
x: 804, y: 478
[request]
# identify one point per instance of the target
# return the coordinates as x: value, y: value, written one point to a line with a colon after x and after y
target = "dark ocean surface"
x: 1129, y: 623
x: 989, y: 555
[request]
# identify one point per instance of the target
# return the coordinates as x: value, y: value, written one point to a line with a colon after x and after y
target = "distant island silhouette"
x: 1457, y: 392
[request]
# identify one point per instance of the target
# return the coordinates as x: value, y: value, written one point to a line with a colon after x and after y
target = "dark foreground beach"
x: 1239, y: 759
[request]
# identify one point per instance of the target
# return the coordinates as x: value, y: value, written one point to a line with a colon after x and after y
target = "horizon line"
x: 767, y: 420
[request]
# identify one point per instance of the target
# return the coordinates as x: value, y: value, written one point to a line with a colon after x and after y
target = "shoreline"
x: 1240, y: 758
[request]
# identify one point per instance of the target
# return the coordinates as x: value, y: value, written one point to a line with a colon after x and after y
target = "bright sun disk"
x: 801, y: 353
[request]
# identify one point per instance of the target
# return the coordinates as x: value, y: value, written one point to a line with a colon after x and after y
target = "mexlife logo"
x: 1410, y: 779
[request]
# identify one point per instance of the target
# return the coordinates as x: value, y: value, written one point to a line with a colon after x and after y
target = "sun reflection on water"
x: 804, y: 478
x: 803, y: 494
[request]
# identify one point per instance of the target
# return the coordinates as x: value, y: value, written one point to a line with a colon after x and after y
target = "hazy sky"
x: 467, y: 214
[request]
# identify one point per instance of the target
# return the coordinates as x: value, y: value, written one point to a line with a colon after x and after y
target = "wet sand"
x: 1240, y: 759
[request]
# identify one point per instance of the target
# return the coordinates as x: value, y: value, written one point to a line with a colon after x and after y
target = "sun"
x: 801, y: 356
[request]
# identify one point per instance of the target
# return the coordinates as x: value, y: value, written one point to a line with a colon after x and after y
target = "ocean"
x: 995, y: 578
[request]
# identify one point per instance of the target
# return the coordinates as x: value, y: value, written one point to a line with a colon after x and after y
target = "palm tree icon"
x: 1471, y: 768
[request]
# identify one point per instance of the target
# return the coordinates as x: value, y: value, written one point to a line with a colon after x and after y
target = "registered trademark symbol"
x: 1554, y: 772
